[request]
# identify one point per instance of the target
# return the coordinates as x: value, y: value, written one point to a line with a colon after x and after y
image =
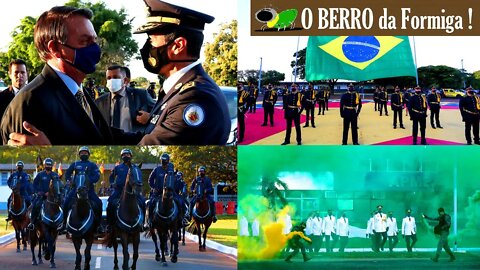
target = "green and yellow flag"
x: 358, y: 58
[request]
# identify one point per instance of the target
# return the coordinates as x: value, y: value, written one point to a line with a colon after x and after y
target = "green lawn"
x: 224, y: 231
x: 2, y: 226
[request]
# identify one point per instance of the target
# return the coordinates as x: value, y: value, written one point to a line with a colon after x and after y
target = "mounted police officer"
x: 469, y: 106
x: 207, y: 182
x: 155, y: 181
x: 41, y: 185
x: 417, y: 107
x: 92, y: 174
x: 350, y: 107
x: 181, y: 192
x: 117, y: 180
x: 25, y: 187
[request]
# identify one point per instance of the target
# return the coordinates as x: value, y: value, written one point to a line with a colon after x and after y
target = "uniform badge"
x: 163, y: 106
x: 154, y: 119
x: 178, y: 86
x: 193, y: 115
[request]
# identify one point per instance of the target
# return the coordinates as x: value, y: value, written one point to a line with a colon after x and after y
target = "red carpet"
x: 254, y: 132
x: 408, y: 141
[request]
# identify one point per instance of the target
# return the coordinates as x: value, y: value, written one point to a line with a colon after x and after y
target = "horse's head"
x: 81, y: 183
x: 133, y: 183
x: 168, y: 185
x: 55, y: 189
x: 16, y: 186
x: 200, y: 190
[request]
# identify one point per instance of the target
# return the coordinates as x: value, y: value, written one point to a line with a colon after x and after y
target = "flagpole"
x: 415, y: 55
x: 260, y: 75
x: 296, y: 61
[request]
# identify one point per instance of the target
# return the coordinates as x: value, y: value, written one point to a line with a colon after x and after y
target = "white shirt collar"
x: 15, y: 90
x: 121, y: 93
x: 170, y: 82
x: 68, y: 81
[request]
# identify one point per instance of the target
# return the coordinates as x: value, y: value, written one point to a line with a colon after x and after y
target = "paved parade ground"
x: 373, y: 128
x: 102, y: 258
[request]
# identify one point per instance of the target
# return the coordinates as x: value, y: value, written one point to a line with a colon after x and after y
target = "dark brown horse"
x: 52, y: 218
x: 129, y: 222
x: 202, y: 215
x: 18, y: 211
x: 81, y: 221
x: 167, y: 219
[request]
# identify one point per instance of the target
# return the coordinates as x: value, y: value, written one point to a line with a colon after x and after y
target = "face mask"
x: 126, y: 159
x: 164, y: 162
x: 154, y: 58
x: 19, y: 169
x: 202, y: 174
x: 418, y: 92
x: 48, y: 169
x: 83, y: 157
x: 114, y: 85
x: 86, y: 58
x: 397, y: 90
x: 294, y: 89
x: 470, y: 92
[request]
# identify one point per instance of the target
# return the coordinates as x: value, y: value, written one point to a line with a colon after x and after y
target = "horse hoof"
x: 40, y: 262
x: 115, y: 267
x: 47, y: 256
x: 24, y: 248
x: 183, y: 243
x: 164, y: 264
x: 77, y: 268
x: 34, y: 263
x: 174, y: 259
x: 157, y: 258
x: 18, y: 250
x: 52, y: 265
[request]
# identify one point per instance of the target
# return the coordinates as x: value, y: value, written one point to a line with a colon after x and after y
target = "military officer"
x: 40, y: 189
x: 92, y: 174
x: 292, y: 104
x: 321, y: 98
x: 117, y: 181
x: 442, y: 229
x: 328, y: 230
x: 417, y: 107
x: 327, y: 98
x: 269, y: 100
x: 397, y: 101
x: 309, y: 104
x: 343, y: 230
x: 181, y: 192
x: 369, y: 232
x: 350, y: 107
x: 382, y: 100
x: 252, y: 100
x: 380, y: 229
x: 434, y: 104
x: 375, y: 98
x: 409, y: 230
x: 317, y: 227
x: 392, y: 231
x: 191, y: 108
x: 470, y: 109
x: 23, y: 179
x: 242, y: 103
x: 156, y: 181
x: 207, y: 182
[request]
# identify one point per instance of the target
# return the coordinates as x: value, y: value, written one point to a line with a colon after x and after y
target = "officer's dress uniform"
x: 434, y: 104
x: 309, y: 105
x: 25, y: 187
x: 207, y: 182
x: 293, y: 106
x: 350, y: 107
x: 252, y: 99
x: 321, y: 98
x: 269, y: 100
x: 382, y: 99
x: 397, y: 101
x: 41, y: 184
x: 392, y: 233
x: 370, y: 234
x: 418, y: 114
x: 328, y: 230
x: 242, y: 101
x: 343, y: 230
x: 156, y: 181
x: 181, y: 194
x: 470, y: 109
x: 317, y: 233
x: 409, y: 231
x: 92, y: 173
x: 375, y: 100
x: 380, y: 230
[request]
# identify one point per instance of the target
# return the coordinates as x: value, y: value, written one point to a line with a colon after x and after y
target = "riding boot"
x: 148, y: 220
x: 9, y: 217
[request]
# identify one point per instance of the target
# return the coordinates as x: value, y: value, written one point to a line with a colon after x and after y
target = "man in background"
x: 392, y: 231
x: 17, y: 71
x: 409, y: 230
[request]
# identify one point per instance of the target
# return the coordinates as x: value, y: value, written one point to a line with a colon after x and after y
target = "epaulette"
x: 187, y: 86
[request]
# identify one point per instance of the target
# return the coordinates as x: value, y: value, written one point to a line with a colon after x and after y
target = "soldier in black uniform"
x: 434, y: 103
x: 309, y: 104
x: 292, y: 104
x: 442, y: 230
x: 417, y: 107
x: 408, y: 95
x: 350, y: 107
x: 151, y: 90
x: 269, y: 100
x: 470, y: 109
x: 242, y: 100
x: 375, y: 98
x: 191, y: 109
x: 252, y: 98
x: 321, y: 97
x: 90, y: 87
x: 382, y: 100
x: 327, y: 97
x: 397, y: 101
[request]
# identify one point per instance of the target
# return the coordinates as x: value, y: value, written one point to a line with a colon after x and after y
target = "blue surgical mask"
x: 86, y: 58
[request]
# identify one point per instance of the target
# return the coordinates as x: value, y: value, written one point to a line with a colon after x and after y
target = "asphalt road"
x: 102, y: 258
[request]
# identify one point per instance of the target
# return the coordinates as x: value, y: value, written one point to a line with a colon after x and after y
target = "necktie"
x: 80, y: 97
x: 409, y: 219
x: 116, y: 111
x: 344, y: 220
x: 380, y: 215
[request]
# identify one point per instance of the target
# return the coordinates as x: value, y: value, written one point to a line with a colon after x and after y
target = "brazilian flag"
x: 358, y: 58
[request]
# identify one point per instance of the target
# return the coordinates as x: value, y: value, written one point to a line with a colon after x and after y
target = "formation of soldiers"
x: 35, y: 193
x: 415, y: 103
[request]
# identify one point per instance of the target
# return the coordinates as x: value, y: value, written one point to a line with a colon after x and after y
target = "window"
x: 3, y: 178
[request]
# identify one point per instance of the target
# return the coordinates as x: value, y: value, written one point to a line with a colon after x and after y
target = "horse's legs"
x: 154, y: 239
x: 183, y: 235
x: 77, y: 243
x: 199, y: 234
x: 24, y: 238
x: 41, y: 246
x: 163, y: 245
x: 33, y: 243
x: 88, y: 248
x: 174, y: 247
x: 205, y: 236
x: 135, y: 244
x: 17, y: 236
x: 115, y: 247
x: 53, y: 248
x: 126, y: 255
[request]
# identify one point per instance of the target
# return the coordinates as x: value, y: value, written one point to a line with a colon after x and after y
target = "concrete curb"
x: 214, y: 245
x: 7, y: 238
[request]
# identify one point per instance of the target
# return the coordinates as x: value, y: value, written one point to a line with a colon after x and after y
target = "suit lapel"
x: 131, y: 102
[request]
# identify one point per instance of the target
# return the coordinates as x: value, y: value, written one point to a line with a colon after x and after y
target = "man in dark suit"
x: 397, y: 102
x: 417, y: 107
x: 17, y: 71
x: 191, y: 109
x: 350, y: 107
x: 433, y: 100
x: 120, y: 105
x: 54, y: 101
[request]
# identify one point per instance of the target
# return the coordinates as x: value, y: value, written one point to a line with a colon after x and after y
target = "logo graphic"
x: 193, y: 115
x: 273, y: 19
x: 360, y: 51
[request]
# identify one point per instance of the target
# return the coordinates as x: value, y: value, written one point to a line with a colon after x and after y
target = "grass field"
x: 2, y: 226
x: 224, y: 231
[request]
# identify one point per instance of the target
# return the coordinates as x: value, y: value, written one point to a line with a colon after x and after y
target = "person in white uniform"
x: 409, y: 230
x: 369, y: 232
x: 392, y: 231
x: 329, y: 231
x: 244, y: 227
x: 380, y: 229
x: 343, y: 231
x: 317, y: 232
